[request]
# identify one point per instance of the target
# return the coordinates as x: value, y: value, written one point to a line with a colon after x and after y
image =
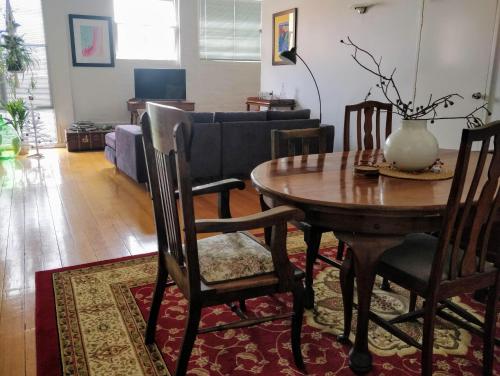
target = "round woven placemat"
x: 445, y: 173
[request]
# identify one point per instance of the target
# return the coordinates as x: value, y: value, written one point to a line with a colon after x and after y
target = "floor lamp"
x: 292, y: 56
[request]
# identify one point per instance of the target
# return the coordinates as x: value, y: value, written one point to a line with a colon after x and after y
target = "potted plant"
x: 18, y: 112
x: 412, y: 147
x: 18, y: 57
x: 10, y: 143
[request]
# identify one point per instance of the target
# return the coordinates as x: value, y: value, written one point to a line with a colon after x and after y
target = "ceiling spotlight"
x: 361, y: 9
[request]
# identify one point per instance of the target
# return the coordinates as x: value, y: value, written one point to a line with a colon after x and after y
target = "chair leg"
x: 489, y: 330
x: 347, y: 286
x: 161, y: 282
x: 192, y: 323
x: 428, y: 336
x: 312, y: 237
x: 298, y: 314
x: 267, y: 230
x: 243, y: 305
x: 340, y: 250
x: 413, y: 302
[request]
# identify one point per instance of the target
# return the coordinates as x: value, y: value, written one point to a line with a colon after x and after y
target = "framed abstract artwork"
x: 284, y: 34
x: 91, y: 41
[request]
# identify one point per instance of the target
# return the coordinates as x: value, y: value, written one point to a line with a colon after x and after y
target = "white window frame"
x: 176, y: 37
x: 202, y: 54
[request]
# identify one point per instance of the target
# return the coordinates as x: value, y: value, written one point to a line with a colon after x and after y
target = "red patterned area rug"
x: 90, y: 320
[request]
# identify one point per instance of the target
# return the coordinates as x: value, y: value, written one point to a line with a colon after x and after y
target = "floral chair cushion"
x: 232, y: 256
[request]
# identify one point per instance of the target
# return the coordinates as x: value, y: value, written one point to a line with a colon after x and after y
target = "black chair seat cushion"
x: 412, y: 261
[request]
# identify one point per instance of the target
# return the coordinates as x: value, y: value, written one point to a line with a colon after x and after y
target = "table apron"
x: 365, y: 221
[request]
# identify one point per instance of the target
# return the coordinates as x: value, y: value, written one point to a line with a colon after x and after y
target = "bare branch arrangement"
x: 408, y: 110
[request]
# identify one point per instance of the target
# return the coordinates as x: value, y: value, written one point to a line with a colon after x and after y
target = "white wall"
x: 100, y: 94
x: 390, y: 28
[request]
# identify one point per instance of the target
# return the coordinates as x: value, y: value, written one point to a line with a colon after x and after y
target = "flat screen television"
x: 168, y: 84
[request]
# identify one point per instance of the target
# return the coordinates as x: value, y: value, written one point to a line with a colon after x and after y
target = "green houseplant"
x: 18, y: 57
x: 10, y: 142
x: 18, y: 112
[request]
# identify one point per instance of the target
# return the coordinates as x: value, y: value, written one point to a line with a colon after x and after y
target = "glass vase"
x: 10, y: 142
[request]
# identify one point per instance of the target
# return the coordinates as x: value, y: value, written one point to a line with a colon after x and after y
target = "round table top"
x: 328, y: 180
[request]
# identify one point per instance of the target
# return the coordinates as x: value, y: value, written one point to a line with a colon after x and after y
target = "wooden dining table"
x: 369, y: 213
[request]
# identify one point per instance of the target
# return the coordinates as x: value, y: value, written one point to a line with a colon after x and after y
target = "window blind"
x: 230, y: 29
x: 28, y: 13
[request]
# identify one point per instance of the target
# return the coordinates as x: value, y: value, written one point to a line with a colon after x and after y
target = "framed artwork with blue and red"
x: 91, y: 41
x: 284, y: 34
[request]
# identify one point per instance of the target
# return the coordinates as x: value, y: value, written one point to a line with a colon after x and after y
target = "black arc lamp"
x: 292, y: 56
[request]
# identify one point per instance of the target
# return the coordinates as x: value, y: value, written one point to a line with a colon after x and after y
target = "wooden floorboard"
x: 68, y: 209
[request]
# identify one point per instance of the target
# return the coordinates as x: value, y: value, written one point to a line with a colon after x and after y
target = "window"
x: 230, y: 30
x: 28, y: 14
x: 146, y: 29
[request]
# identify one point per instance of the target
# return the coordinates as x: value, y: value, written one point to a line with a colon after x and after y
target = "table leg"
x: 366, y: 252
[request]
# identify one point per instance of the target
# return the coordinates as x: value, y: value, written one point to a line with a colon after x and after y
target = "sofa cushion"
x: 288, y: 115
x: 110, y: 139
x: 201, y: 117
x: 232, y: 256
x: 206, y: 151
x: 240, y: 116
x: 248, y: 144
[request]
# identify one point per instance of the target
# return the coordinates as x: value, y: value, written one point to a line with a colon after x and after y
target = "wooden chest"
x: 86, y: 140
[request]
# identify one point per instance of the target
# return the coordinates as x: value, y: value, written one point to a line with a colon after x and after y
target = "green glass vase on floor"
x: 10, y: 142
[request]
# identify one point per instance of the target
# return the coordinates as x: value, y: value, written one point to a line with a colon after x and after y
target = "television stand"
x: 134, y: 105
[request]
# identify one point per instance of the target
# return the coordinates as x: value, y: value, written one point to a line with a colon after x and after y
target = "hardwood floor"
x: 69, y: 209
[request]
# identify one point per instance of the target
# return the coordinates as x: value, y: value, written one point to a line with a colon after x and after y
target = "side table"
x: 134, y: 105
x: 270, y: 103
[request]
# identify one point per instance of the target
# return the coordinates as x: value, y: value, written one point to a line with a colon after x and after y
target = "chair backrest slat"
x: 364, y: 128
x: 472, y: 206
x: 358, y: 129
x: 167, y: 134
x: 298, y: 142
x: 377, y: 129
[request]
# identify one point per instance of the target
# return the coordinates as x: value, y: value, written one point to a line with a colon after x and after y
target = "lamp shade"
x: 290, y: 56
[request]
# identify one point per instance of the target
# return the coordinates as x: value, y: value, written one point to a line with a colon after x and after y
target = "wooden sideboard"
x: 269, y: 103
x: 134, y: 105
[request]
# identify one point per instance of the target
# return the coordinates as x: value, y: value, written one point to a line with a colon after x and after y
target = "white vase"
x: 412, y: 147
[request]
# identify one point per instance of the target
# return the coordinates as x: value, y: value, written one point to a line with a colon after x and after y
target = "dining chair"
x: 290, y: 143
x: 364, y: 124
x: 220, y: 269
x: 364, y: 134
x: 437, y: 268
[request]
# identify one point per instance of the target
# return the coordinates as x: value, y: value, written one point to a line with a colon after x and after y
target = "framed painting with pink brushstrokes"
x: 91, y: 41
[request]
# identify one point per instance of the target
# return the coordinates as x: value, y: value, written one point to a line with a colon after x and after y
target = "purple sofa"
x: 225, y: 144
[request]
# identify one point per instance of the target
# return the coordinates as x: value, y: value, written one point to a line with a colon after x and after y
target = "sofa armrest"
x: 130, y: 158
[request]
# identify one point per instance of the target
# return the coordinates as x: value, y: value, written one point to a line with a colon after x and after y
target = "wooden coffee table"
x: 370, y: 214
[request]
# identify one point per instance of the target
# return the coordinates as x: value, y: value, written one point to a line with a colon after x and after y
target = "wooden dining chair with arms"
x: 291, y: 143
x: 220, y: 269
x: 439, y: 268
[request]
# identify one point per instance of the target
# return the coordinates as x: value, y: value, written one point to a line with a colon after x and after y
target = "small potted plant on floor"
x: 18, y: 113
